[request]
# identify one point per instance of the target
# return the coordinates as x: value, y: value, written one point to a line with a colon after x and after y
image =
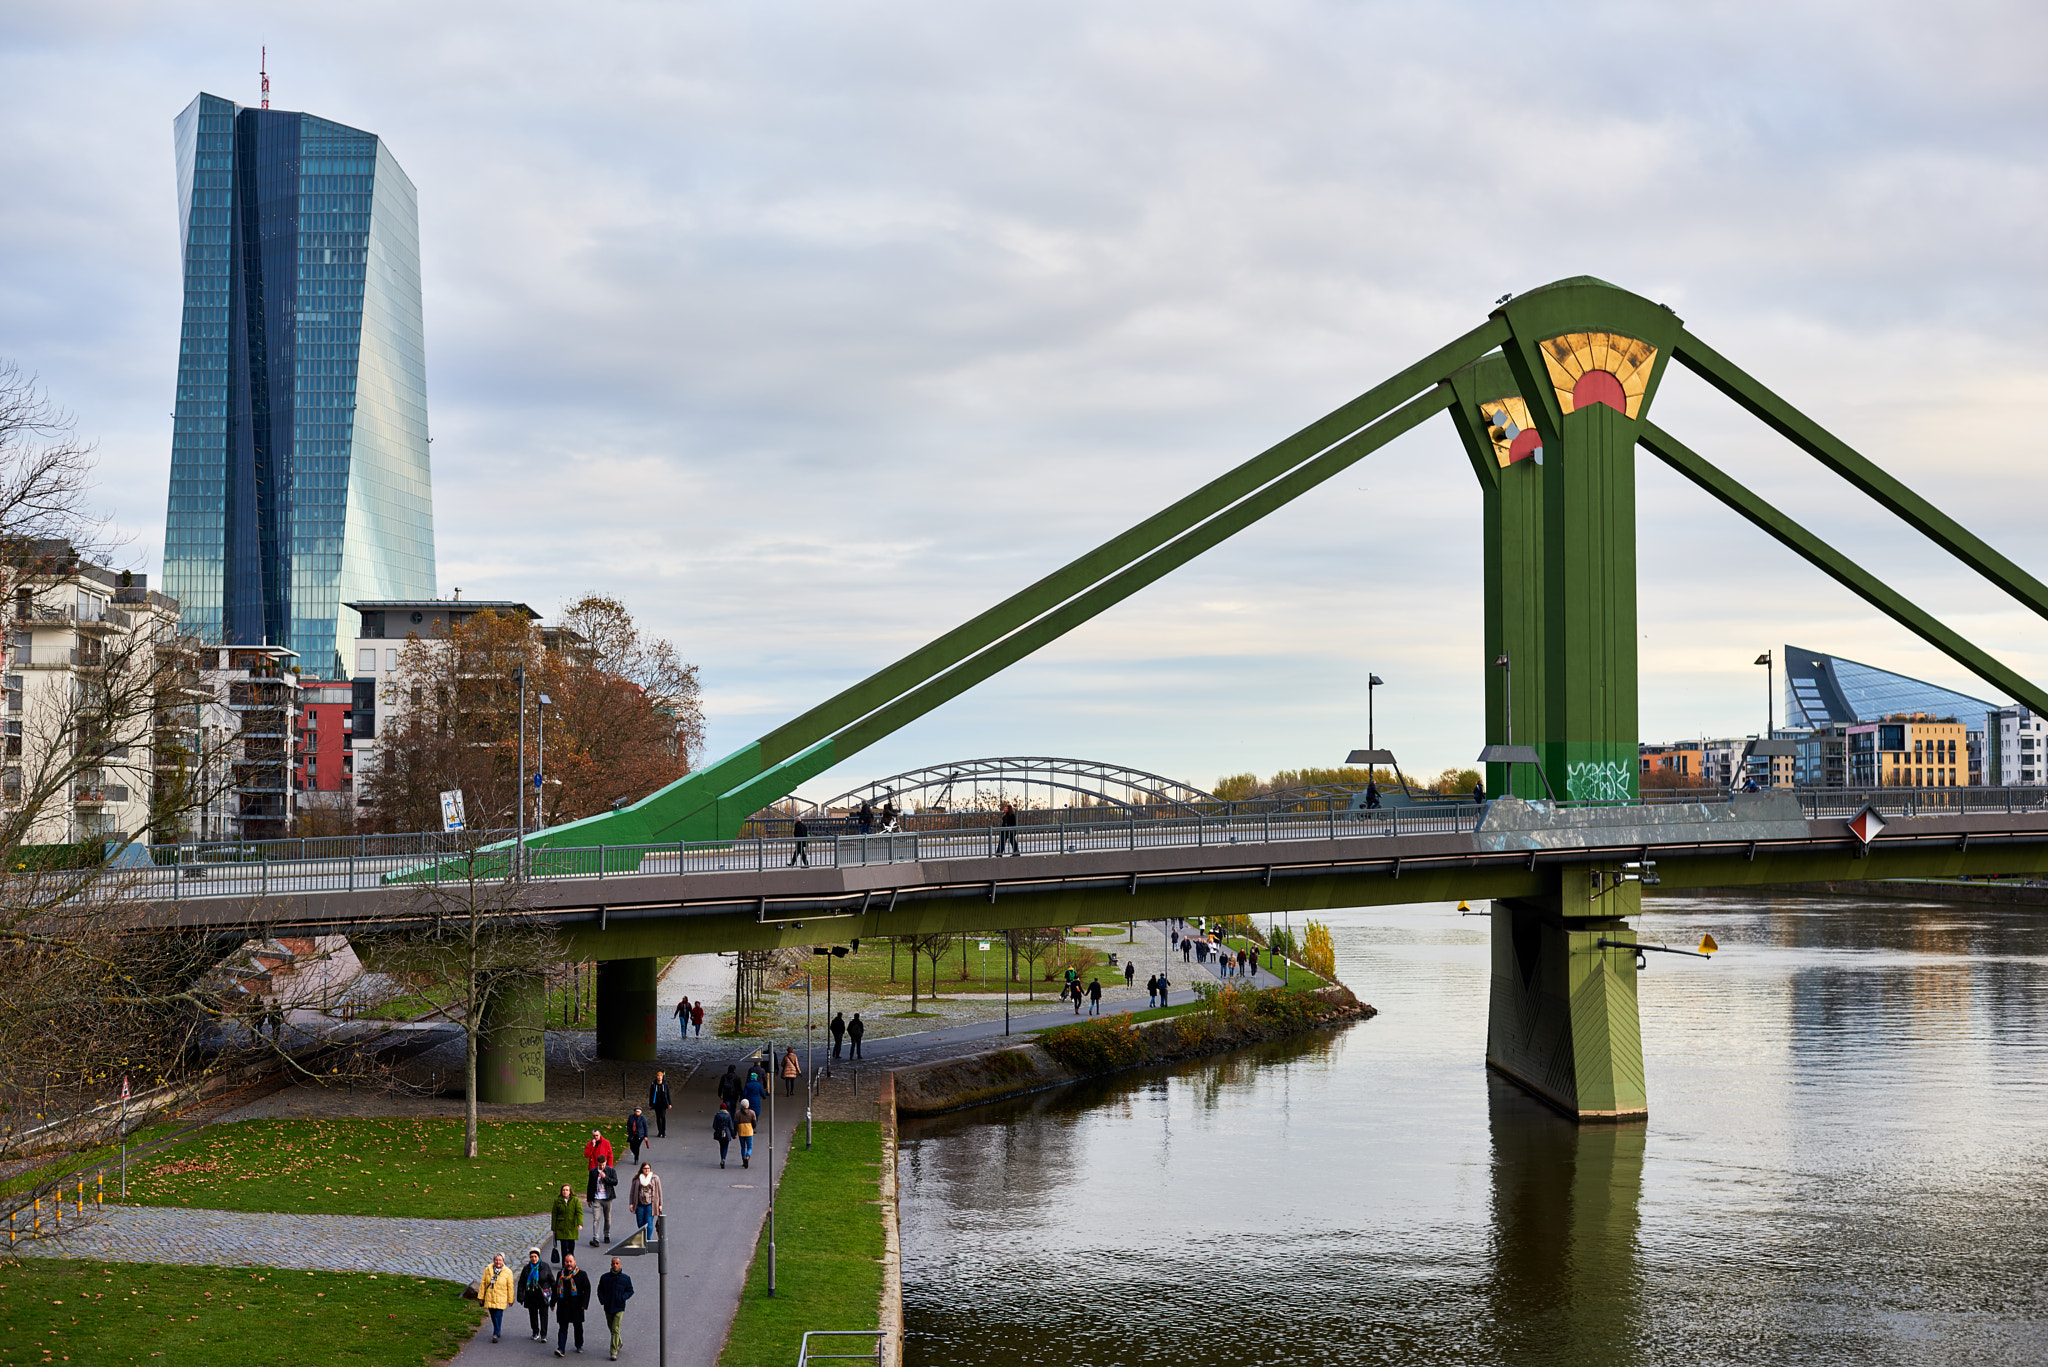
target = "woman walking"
x: 721, y: 1131
x: 746, y: 1129
x: 646, y: 1198
x: 496, y: 1290
x: 791, y: 1071
x: 536, y: 1290
x: 566, y: 1219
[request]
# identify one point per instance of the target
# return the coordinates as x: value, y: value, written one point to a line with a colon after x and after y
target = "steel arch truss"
x: 1128, y: 789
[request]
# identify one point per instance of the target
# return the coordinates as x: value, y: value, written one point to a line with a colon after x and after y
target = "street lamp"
x: 1770, y: 689
x: 540, y: 802
x: 1372, y: 681
x: 768, y: 1061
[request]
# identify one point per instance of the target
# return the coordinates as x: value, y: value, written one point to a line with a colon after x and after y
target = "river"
x: 1846, y: 1161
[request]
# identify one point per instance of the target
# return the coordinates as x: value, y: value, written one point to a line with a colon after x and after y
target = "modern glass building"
x: 1826, y: 696
x: 299, y: 471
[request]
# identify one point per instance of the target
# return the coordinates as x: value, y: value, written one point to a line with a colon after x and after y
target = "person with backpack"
x: 494, y: 1290
x: 604, y: 1185
x: 854, y: 1030
x: 536, y: 1292
x: 572, y: 1298
x: 1163, y: 986
x: 721, y: 1131
x: 658, y: 1101
x: 729, y: 1087
x: 566, y: 1220
x: 614, y: 1289
x: 636, y: 1132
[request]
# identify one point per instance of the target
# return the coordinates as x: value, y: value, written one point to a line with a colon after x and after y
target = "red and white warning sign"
x: 124, y: 1086
x: 1866, y: 825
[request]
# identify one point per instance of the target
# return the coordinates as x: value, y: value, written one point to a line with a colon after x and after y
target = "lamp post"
x: 1372, y: 681
x: 1770, y: 693
x: 540, y: 769
x: 809, y: 1038
x: 519, y: 861
x: 768, y: 1059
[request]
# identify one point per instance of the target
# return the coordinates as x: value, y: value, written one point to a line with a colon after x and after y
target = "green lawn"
x: 410, y: 1167
x: 146, y: 1313
x: 72, y: 1163
x: 828, y: 1251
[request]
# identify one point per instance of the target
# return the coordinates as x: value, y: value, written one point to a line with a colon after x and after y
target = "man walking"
x: 636, y: 1132
x: 658, y: 1101
x: 854, y: 1030
x: 566, y: 1219
x: 800, y: 830
x: 604, y: 1185
x: 1130, y: 972
x: 598, y: 1151
x: 729, y: 1087
x: 1095, y: 996
x: 838, y: 1029
x: 1009, y: 837
x: 614, y: 1289
x: 572, y: 1298
x: 1163, y: 985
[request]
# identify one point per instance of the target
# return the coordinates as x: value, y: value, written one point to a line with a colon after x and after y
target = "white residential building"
x: 2015, y: 748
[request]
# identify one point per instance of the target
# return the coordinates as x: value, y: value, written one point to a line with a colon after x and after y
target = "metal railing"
x: 805, y: 1356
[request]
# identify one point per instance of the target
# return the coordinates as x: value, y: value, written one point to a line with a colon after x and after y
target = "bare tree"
x: 1034, y: 946
x: 933, y: 948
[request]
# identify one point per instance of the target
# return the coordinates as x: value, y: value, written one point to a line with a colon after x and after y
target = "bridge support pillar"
x: 1563, y: 1021
x: 511, y: 1057
x: 625, y: 1009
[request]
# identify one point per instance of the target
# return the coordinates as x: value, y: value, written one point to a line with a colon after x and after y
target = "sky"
x: 812, y: 330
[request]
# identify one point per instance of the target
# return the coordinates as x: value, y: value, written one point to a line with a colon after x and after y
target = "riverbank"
x: 1090, y: 1048
x: 1896, y: 890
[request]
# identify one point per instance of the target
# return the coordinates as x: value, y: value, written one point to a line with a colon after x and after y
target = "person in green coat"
x: 567, y: 1218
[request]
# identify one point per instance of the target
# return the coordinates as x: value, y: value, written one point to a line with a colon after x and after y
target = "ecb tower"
x: 299, y: 470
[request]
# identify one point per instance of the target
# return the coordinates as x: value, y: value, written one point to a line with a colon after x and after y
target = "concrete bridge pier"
x: 1562, y: 1021
x: 511, y: 1053
x: 625, y: 1009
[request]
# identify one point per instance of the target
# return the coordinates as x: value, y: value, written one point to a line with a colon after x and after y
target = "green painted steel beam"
x: 1839, y: 567
x: 1718, y: 371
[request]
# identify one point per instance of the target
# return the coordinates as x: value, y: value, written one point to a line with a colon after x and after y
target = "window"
x: 391, y: 657
x: 24, y: 647
x: 366, y: 659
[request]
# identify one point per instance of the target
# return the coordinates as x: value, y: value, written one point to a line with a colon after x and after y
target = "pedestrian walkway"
x: 452, y: 1249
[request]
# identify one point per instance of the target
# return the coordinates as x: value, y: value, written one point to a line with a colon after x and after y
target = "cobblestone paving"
x: 455, y: 1250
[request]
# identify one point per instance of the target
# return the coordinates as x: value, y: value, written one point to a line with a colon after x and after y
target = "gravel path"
x: 453, y: 1250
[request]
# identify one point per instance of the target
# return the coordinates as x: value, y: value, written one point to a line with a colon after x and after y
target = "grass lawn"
x: 410, y: 1167
x: 59, y: 1310
x: 828, y: 1263
x: 29, y: 1178
x: 868, y: 971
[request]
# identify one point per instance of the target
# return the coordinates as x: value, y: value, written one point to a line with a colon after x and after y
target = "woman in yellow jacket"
x: 745, y: 1127
x: 494, y: 1289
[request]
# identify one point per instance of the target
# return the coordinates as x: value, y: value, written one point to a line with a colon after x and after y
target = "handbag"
x: 555, y: 1254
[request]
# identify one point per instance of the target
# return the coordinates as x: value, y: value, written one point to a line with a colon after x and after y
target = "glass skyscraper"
x: 299, y: 470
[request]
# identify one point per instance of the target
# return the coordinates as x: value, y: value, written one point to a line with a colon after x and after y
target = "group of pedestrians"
x: 1075, y: 992
x: 1229, y: 963
x: 565, y: 1294
x: 1156, y: 988
x: 847, y: 1032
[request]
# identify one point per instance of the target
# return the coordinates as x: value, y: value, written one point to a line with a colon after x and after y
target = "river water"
x: 1846, y: 1161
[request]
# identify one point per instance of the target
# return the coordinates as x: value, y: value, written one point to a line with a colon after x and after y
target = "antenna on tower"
x: 263, y: 70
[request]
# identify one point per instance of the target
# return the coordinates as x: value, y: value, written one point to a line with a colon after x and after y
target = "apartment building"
x: 249, y: 711
x: 324, y: 767
x: 2015, y: 748
x: 1908, y: 750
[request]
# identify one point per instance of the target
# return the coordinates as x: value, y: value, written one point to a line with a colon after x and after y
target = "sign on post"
x: 451, y: 810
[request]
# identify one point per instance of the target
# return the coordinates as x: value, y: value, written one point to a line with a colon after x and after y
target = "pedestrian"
x: 1074, y: 991
x: 1478, y: 792
x: 867, y: 819
x: 1009, y: 836
x: 536, y: 1290
x: 1163, y: 986
x: 1095, y: 996
x: 636, y: 1132
x: 646, y: 1197
x: 757, y: 1089
x: 1255, y: 965
x: 729, y: 1087
x: 683, y: 1015
x: 572, y: 1298
x: 721, y: 1131
x: 745, y: 1126
x: 567, y: 1221
x: 1176, y: 939
x: 791, y: 1071
x: 658, y: 1101
x: 838, y: 1029
x: 697, y: 1018
x: 1240, y: 963
x: 1372, y: 795
x: 604, y: 1185
x: 803, y: 846
x: 889, y: 815
x: 598, y: 1151
x: 854, y: 1030
x: 614, y: 1289
x: 1130, y: 972
x: 497, y: 1289
x: 1151, y: 990
x: 1187, y: 947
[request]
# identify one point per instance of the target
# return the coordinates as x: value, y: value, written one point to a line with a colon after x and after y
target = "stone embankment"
x: 1107, y: 1044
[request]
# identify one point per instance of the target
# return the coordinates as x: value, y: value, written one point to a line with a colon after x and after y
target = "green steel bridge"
x: 1550, y: 396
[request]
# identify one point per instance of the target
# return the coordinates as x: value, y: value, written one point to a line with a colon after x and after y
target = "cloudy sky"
x: 810, y: 330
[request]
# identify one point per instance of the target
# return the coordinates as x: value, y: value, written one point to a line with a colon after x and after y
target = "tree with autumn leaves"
x: 624, y: 718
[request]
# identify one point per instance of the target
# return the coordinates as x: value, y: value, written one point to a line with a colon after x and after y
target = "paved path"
x: 456, y: 1250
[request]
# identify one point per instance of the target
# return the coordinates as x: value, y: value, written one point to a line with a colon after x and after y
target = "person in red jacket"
x: 598, y: 1152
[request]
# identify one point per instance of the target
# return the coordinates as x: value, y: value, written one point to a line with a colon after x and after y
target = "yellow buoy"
x: 1707, y: 945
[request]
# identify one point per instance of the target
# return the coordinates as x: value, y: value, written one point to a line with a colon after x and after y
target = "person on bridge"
x: 646, y: 1198
x: 1372, y: 795
x: 636, y: 1132
x: 495, y: 1291
x: 566, y: 1221
x: 536, y: 1290
x: 697, y: 1018
x: 854, y: 1030
x: 1095, y: 996
x: 572, y: 1298
x: 791, y: 1071
x: 1478, y: 791
x: 1009, y: 835
x: 867, y: 818
x: 889, y: 816
x: 803, y: 846
x: 683, y: 1015
x: 614, y: 1289
x: 721, y: 1131
x: 604, y: 1185
x: 838, y: 1029
x: 745, y: 1126
x: 658, y: 1101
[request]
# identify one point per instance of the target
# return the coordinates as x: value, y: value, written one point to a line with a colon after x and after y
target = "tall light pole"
x: 1507, y: 674
x: 768, y: 1056
x: 1372, y: 681
x: 1770, y: 693
x: 540, y: 769
x: 520, y: 860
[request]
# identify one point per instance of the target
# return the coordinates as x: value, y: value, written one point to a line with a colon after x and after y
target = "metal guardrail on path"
x: 805, y: 1355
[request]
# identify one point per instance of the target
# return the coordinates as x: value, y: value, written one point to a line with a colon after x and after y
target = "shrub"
x: 1100, y: 1045
x: 1318, y: 953
x: 1281, y: 942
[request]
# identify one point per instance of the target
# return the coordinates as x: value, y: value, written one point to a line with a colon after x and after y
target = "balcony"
x: 101, y: 795
x: 67, y: 614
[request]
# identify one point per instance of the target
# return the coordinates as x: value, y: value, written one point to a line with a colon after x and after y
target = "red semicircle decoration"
x: 1527, y: 443
x: 1597, y: 386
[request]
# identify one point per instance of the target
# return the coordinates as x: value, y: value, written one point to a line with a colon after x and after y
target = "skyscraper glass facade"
x: 299, y: 468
